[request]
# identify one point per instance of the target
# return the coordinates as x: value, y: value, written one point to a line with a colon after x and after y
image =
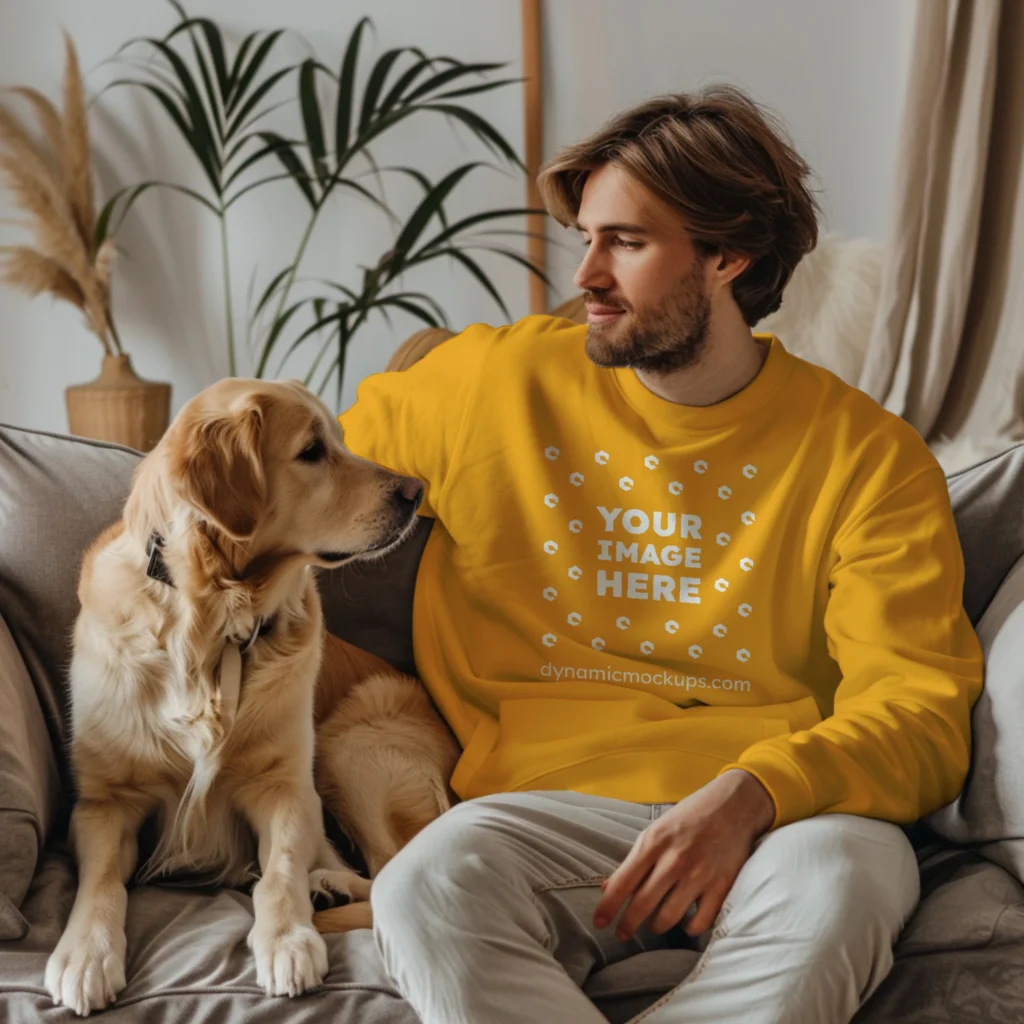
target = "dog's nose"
x: 410, y: 492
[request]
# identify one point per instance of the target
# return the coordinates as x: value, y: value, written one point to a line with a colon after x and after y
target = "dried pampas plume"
x: 52, y: 185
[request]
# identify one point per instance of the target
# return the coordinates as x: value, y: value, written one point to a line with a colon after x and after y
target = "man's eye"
x: 313, y: 452
x: 625, y: 243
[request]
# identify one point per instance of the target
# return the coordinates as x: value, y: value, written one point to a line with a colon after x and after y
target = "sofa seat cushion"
x: 188, y: 962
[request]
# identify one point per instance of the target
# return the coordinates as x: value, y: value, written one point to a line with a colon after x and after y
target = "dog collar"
x: 157, y: 570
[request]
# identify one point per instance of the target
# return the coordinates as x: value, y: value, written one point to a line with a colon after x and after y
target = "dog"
x: 202, y: 683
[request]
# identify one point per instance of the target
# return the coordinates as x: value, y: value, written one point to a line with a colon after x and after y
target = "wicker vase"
x: 119, y: 406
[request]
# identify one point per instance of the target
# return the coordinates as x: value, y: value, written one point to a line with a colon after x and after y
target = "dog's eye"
x: 313, y: 452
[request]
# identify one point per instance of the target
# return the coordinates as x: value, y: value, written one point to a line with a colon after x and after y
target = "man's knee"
x: 833, y: 876
x: 464, y: 854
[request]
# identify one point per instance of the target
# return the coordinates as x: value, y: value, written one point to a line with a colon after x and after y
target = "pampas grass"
x: 52, y: 186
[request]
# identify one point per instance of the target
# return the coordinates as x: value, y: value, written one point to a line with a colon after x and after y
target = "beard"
x: 659, y: 340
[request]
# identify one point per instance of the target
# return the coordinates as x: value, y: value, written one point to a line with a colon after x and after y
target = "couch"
x: 960, y: 959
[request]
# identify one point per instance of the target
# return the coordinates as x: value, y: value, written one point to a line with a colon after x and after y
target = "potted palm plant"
x: 71, y: 257
x: 216, y: 98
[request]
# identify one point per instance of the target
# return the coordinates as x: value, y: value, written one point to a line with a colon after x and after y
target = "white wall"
x: 833, y: 70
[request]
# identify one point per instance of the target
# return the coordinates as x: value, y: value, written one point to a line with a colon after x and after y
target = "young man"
x: 691, y: 605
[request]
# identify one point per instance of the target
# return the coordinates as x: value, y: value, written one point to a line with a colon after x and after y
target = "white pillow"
x: 990, y: 809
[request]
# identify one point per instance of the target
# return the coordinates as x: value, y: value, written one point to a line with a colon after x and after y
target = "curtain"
x: 947, y: 345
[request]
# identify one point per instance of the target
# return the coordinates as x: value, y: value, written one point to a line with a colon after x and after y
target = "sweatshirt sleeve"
x: 898, y: 743
x: 411, y: 421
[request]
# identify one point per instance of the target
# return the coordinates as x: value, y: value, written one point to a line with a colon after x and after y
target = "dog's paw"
x: 85, y: 973
x: 291, y: 962
x: 332, y: 888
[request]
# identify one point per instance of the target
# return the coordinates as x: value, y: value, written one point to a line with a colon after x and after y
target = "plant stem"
x: 114, y: 334
x: 290, y: 279
x: 226, y: 271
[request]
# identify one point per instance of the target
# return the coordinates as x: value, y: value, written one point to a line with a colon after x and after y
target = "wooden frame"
x: 533, y: 109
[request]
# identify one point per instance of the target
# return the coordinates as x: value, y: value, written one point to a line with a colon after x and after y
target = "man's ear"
x: 220, y: 470
x: 729, y: 266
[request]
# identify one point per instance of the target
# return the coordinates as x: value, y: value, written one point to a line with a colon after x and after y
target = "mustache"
x: 592, y: 298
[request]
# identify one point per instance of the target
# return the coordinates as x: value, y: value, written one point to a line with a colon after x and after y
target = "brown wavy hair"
x: 725, y: 164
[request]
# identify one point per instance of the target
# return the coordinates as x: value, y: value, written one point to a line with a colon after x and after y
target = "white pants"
x: 486, y: 917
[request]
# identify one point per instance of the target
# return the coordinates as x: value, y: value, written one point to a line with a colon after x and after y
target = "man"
x: 691, y: 605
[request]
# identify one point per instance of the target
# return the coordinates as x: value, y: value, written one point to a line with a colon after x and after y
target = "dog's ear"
x: 220, y: 469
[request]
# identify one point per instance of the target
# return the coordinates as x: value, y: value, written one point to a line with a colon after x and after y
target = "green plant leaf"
x: 474, y: 268
x: 483, y: 129
x: 397, y: 92
x: 477, y: 218
x: 347, y: 89
x: 257, y: 94
x: 316, y: 362
x: 472, y: 90
x: 244, y: 80
x: 424, y: 182
x: 375, y: 83
x: 275, y: 332
x: 444, y: 77
x: 133, y: 192
x: 427, y: 208
x: 268, y: 292
x: 412, y: 309
x: 292, y: 164
x: 321, y: 322
x: 194, y: 105
x: 246, y: 189
x: 238, y: 143
x: 253, y: 158
x: 511, y: 254
x: 215, y: 95
x: 214, y: 43
x: 236, y: 66
x: 312, y: 120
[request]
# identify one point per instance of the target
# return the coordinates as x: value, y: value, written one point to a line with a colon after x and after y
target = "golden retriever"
x: 194, y: 687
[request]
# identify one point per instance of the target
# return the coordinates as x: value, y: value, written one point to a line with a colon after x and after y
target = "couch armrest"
x: 29, y: 785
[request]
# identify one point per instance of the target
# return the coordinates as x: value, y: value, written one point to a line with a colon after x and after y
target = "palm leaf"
x: 346, y: 89
x: 239, y: 122
x: 444, y: 77
x: 477, y: 218
x: 268, y: 292
x: 428, y: 207
x: 409, y: 76
x: 236, y: 67
x: 484, y: 131
x: 312, y: 120
x: 282, y: 149
x: 245, y: 78
x: 375, y: 84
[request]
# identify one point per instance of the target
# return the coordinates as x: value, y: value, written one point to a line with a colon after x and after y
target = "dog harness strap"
x: 230, y: 684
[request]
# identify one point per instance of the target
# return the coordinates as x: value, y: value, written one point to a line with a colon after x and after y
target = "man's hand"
x: 691, y: 853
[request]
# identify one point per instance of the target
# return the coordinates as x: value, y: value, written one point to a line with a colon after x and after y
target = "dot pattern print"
x: 726, y: 638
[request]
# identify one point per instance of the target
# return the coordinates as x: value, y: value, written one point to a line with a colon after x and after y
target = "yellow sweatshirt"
x: 626, y: 597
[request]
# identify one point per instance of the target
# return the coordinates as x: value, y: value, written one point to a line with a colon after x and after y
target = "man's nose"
x: 593, y: 273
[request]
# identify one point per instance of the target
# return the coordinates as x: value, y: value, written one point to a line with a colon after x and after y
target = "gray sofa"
x: 960, y: 959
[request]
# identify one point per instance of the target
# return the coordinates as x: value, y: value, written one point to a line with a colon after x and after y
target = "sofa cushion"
x: 28, y: 785
x: 370, y: 603
x: 187, y: 961
x: 988, y: 502
x: 56, y: 494
x: 990, y: 808
x: 959, y: 960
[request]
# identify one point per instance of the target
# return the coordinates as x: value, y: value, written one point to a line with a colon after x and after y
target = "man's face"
x: 646, y: 286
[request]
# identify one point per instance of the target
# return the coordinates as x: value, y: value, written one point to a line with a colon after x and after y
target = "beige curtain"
x: 947, y: 347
